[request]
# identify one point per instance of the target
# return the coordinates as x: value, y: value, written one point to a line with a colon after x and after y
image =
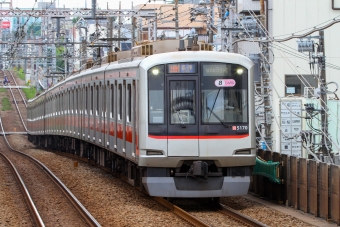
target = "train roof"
x: 170, y: 57
x: 183, y: 56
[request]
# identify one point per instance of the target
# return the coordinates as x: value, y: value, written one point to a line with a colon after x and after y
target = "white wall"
x: 297, y: 17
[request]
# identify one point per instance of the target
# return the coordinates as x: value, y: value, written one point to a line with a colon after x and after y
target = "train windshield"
x: 224, y: 94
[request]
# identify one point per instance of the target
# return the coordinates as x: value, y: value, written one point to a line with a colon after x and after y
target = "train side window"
x: 120, y: 98
x: 76, y: 101
x: 91, y: 105
x: 128, y: 114
x: 156, y: 94
x: 103, y: 101
x: 112, y: 101
x: 86, y: 100
x: 97, y: 102
x: 72, y: 102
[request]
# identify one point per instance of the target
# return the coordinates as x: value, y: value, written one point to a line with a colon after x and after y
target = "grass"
x: 29, y: 92
x: 19, y: 72
x: 3, y: 89
x: 6, y: 105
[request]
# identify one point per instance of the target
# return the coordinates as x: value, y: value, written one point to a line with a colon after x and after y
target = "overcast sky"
x: 113, y: 4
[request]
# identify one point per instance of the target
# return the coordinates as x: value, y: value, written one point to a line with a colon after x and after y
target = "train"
x: 177, y: 124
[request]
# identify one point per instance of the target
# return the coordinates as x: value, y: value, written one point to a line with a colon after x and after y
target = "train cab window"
x: 128, y: 98
x: 224, y: 94
x: 182, y: 102
x: 156, y: 77
x: 120, y: 99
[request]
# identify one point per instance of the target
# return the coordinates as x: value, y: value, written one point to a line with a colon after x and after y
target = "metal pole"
x: 119, y: 23
x: 265, y: 83
x: 223, y: 18
x: 149, y: 30
x: 176, y: 19
x: 110, y: 27
x: 133, y: 22
x: 93, y: 12
x: 155, y: 28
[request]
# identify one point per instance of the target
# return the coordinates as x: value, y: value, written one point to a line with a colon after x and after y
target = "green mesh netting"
x: 267, y: 169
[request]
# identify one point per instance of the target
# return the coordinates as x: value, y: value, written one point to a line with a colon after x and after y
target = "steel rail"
x: 239, y: 216
x: 31, y: 206
x: 17, y: 107
x: 180, y: 212
x: 173, y: 208
x: 85, y: 214
x: 18, y: 89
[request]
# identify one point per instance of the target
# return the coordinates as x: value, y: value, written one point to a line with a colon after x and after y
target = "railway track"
x: 185, y: 214
x: 56, y: 205
x: 19, y: 202
x: 20, y: 107
x: 215, y: 214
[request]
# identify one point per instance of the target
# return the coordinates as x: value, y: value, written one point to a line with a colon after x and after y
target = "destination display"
x: 182, y: 68
x: 216, y: 69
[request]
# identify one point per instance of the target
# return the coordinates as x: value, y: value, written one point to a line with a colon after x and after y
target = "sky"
x: 113, y: 4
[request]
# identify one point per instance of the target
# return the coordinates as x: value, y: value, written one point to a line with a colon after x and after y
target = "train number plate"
x: 240, y: 128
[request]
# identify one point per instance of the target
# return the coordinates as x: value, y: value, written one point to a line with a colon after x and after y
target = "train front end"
x: 197, y: 115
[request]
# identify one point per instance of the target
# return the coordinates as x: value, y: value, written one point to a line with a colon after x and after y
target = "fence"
x: 307, y: 185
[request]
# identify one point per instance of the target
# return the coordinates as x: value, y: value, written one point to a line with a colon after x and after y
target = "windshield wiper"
x: 213, y: 113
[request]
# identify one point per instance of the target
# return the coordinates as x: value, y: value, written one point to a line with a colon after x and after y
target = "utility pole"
x: 323, y: 96
x: 119, y: 23
x: 176, y: 19
x: 133, y: 24
x: 211, y: 22
x: 110, y: 27
x: 265, y: 84
x: 155, y: 28
x: 262, y: 13
x: 223, y: 18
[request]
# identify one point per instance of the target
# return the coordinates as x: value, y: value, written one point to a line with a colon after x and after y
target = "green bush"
x: 6, y: 105
x: 29, y: 92
x: 19, y: 72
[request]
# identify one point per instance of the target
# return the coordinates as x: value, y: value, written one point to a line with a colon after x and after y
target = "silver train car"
x: 178, y: 124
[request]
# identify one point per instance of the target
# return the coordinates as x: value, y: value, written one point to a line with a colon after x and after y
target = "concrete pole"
x: 323, y: 97
x: 176, y: 20
x: 262, y: 13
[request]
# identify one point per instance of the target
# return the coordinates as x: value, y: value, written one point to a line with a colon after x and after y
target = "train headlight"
x: 155, y: 71
x: 239, y: 71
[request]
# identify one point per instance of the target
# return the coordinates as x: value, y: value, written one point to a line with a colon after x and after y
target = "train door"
x: 87, y: 112
x: 120, y: 117
x: 130, y: 119
x: 98, y: 113
x: 92, y: 112
x: 106, y: 107
x: 182, y: 103
x: 113, y: 115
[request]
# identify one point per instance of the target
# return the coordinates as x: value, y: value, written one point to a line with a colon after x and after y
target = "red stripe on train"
x: 200, y: 137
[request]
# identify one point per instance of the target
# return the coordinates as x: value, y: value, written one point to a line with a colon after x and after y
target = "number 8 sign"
x: 225, y: 83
